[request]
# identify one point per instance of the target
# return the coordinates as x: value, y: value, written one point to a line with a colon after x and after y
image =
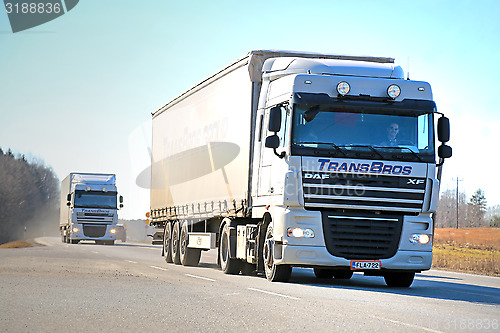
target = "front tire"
x: 399, y: 279
x: 274, y: 273
x: 228, y: 265
x: 188, y: 256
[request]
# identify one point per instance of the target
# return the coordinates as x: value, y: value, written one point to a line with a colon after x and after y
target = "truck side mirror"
x: 272, y: 141
x: 443, y: 127
x: 121, y: 199
x: 444, y: 151
x: 275, y: 119
x: 68, y: 197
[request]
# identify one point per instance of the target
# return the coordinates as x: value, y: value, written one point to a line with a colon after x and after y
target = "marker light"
x: 393, y: 91
x: 113, y: 231
x: 75, y: 229
x: 300, y: 233
x: 343, y: 88
x: 420, y: 239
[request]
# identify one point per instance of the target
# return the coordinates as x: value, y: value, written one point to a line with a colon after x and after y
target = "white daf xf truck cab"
x: 89, y: 208
x: 289, y: 159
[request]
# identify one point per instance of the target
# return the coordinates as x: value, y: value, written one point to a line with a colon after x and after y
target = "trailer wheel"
x: 167, y: 241
x: 399, y: 279
x: 229, y: 265
x: 174, y: 245
x: 274, y: 273
x: 188, y: 256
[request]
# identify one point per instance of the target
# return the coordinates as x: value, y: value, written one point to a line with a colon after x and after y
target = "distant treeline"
x: 462, y: 212
x: 29, y: 198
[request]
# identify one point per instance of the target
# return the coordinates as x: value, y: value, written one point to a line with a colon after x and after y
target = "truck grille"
x: 363, y: 191
x: 353, y: 236
x: 94, y: 230
x: 94, y: 218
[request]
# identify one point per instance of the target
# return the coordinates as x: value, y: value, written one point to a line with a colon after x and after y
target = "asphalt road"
x: 129, y: 288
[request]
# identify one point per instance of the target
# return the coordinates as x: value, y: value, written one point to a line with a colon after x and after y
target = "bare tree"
x: 447, y: 215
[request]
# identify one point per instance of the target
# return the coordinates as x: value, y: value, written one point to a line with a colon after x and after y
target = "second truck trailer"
x: 287, y: 159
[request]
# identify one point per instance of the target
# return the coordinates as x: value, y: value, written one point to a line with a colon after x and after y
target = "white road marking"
x: 200, y: 277
x: 275, y: 294
x: 132, y: 262
x: 408, y: 325
x: 160, y: 268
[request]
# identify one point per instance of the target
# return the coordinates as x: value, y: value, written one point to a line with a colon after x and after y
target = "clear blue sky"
x: 78, y: 91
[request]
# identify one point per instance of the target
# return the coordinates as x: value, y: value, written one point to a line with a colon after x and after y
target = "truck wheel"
x: 248, y: 269
x: 167, y: 240
x: 74, y: 241
x: 229, y: 265
x: 323, y: 273
x: 174, y: 245
x: 399, y: 279
x: 274, y: 273
x: 189, y: 256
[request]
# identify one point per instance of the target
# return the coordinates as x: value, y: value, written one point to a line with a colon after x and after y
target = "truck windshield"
x: 331, y: 131
x: 84, y: 199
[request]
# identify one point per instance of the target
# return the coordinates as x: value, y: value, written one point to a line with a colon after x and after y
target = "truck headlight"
x: 420, y: 239
x: 75, y: 229
x: 300, y: 233
x: 113, y: 231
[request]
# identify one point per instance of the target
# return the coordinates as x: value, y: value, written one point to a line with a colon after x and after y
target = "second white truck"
x: 89, y: 205
x: 289, y: 159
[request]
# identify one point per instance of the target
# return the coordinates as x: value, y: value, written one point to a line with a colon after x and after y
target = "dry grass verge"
x: 18, y: 244
x: 473, y: 250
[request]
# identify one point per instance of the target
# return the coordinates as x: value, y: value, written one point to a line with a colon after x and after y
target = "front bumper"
x: 312, y: 256
x: 80, y: 234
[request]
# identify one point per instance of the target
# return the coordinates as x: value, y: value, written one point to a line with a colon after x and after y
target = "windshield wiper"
x: 337, y: 148
x: 401, y: 148
x: 367, y: 146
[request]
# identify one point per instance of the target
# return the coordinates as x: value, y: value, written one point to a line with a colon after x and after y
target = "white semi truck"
x: 89, y: 208
x: 287, y: 159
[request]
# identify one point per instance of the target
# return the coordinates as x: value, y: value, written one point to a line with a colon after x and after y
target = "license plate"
x: 365, y: 264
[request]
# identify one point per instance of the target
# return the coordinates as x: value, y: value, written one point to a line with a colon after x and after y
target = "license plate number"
x: 365, y: 264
